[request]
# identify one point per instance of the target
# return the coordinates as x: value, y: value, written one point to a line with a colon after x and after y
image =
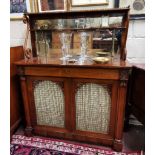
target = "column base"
x: 28, y: 131
x: 118, y: 146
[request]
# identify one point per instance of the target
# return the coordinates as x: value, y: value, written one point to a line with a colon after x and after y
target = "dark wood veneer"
x: 69, y: 77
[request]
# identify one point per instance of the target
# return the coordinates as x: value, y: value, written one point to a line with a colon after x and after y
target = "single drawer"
x: 96, y: 73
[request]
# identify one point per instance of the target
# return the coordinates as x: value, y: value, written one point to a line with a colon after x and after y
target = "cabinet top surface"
x: 139, y: 65
x: 53, y: 60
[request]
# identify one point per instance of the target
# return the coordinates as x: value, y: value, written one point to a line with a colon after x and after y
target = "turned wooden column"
x: 120, y: 110
x: 28, y: 129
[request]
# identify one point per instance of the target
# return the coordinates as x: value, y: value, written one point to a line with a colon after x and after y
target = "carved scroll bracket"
x: 78, y: 85
x: 25, y: 19
x: 27, y: 51
x: 59, y: 83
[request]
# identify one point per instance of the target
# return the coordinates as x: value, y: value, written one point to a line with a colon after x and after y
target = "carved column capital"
x: 20, y: 71
x: 124, y: 74
x: 25, y: 19
x: 61, y: 84
x: 78, y: 85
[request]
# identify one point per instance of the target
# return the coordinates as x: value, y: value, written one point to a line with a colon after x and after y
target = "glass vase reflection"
x: 65, y: 39
x: 84, y: 45
x: 60, y: 23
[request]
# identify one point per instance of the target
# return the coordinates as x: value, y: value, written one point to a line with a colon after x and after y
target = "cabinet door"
x: 47, y: 103
x: 94, y: 107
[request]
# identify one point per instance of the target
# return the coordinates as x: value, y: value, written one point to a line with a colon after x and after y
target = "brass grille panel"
x: 49, y: 103
x: 93, y: 103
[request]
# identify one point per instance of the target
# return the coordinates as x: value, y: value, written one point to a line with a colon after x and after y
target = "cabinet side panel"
x: 16, y: 108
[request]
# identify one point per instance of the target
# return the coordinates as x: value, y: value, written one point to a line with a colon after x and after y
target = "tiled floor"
x: 134, y: 138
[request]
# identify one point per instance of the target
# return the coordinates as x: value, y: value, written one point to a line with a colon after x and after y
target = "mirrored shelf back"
x: 107, y: 30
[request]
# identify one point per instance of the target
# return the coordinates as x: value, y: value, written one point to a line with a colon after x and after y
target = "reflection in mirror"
x: 78, y: 23
x: 115, y: 21
x: 96, y: 22
x: 45, y: 24
x: 43, y: 43
x: 60, y: 23
x: 105, y: 21
x: 105, y: 42
x: 88, y: 22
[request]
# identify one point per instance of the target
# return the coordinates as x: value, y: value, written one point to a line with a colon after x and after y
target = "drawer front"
x: 73, y: 72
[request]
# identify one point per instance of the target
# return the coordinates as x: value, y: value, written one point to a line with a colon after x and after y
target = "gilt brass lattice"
x: 93, y: 103
x: 49, y: 103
